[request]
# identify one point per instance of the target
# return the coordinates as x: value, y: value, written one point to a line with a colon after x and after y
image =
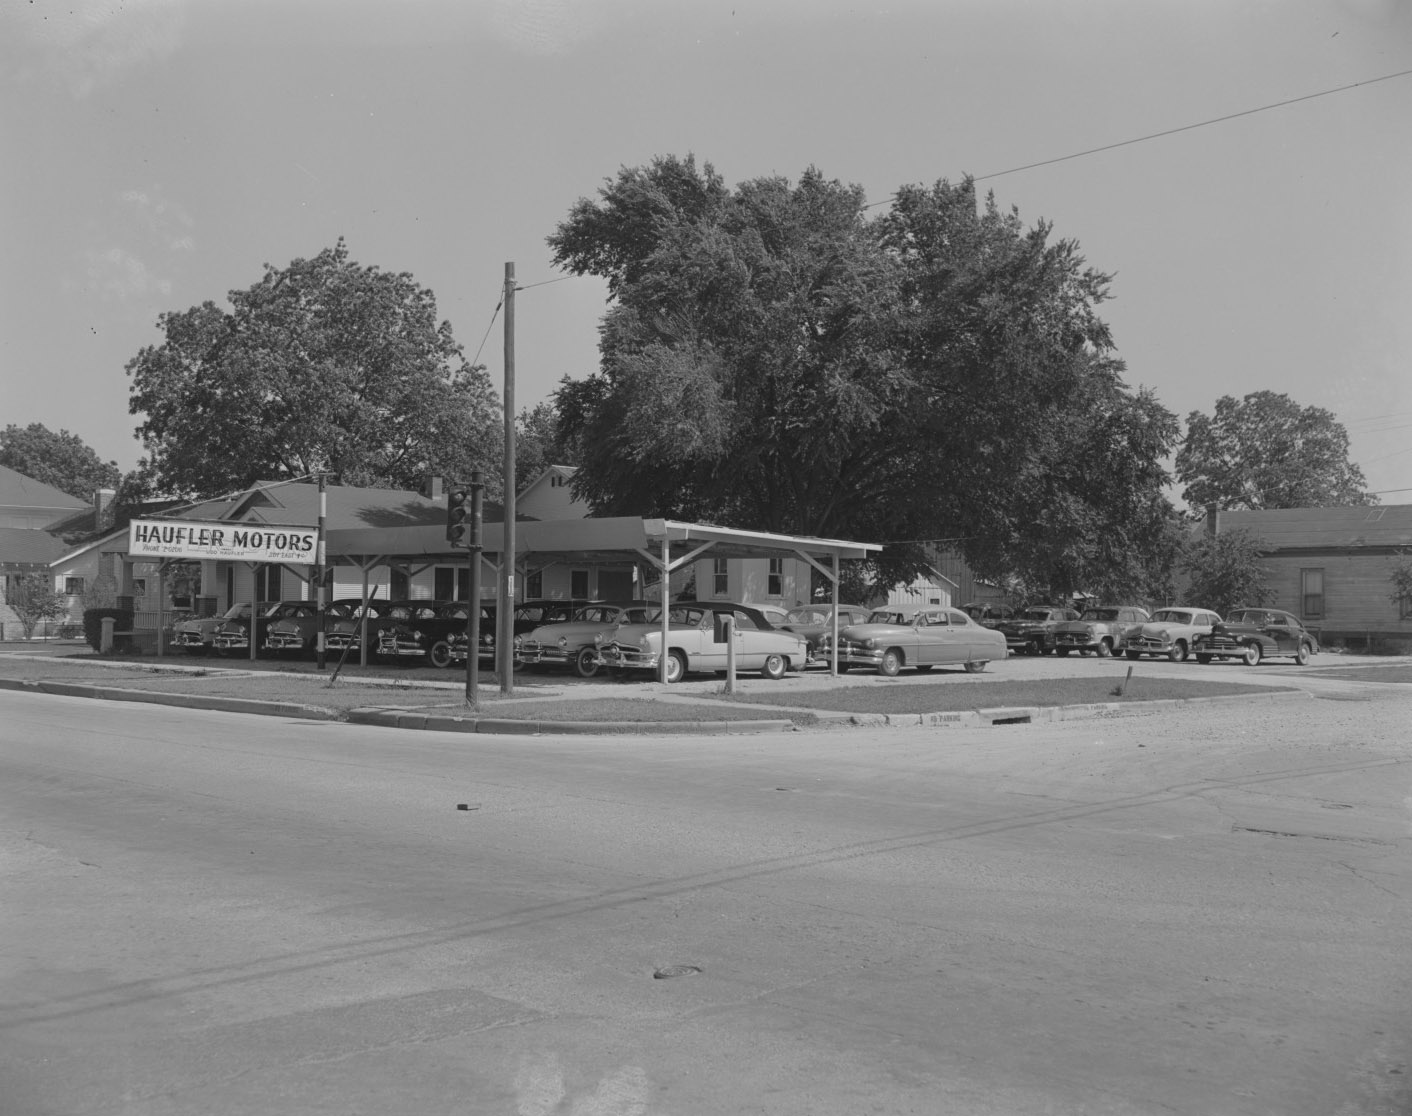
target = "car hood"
x: 581, y: 630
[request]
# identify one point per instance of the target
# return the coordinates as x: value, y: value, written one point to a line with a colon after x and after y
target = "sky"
x: 156, y: 154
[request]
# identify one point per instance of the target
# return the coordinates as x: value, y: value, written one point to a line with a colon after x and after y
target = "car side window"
x: 744, y: 621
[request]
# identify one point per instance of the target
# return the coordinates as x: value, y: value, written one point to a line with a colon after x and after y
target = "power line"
x: 494, y: 314
x: 1201, y: 124
x: 1173, y: 131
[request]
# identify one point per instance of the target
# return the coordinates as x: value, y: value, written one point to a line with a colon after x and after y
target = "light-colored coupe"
x: 929, y: 637
x: 696, y: 641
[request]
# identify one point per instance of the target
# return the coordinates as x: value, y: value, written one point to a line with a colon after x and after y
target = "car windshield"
x: 236, y: 611
x: 881, y: 616
x: 596, y: 614
x: 1255, y: 617
x: 1099, y: 614
x: 1172, y: 616
x: 806, y: 616
x: 1035, y: 614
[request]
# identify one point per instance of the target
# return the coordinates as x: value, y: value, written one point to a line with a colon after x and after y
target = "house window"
x: 1311, y: 594
x: 268, y: 583
x: 578, y: 585
x: 721, y: 578
x: 775, y: 582
x: 400, y: 587
x: 73, y: 586
x: 534, y: 586
x: 139, y: 587
x: 444, y: 583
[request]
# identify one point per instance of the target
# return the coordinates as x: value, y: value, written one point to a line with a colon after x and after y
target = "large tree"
x: 322, y: 366
x: 60, y: 459
x: 1266, y: 451
x: 774, y: 358
x: 1226, y: 571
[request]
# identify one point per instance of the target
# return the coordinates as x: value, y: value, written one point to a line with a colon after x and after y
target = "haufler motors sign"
x: 240, y: 542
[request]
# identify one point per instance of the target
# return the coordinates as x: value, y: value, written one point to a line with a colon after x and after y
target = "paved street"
x: 1201, y: 912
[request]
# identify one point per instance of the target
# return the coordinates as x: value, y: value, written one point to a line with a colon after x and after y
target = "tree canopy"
x: 774, y: 358
x: 60, y: 459
x: 321, y: 366
x: 1266, y: 451
x: 1225, y: 571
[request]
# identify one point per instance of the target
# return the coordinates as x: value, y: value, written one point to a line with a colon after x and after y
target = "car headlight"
x: 645, y: 643
x: 868, y: 644
x: 563, y: 643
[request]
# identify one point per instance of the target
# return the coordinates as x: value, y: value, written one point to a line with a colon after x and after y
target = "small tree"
x: 1225, y: 572
x: 1401, y: 578
x: 32, y: 598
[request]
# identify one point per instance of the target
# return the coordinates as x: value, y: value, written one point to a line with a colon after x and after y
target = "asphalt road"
x: 1200, y: 912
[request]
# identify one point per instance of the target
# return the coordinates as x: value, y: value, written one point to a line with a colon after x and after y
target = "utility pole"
x: 505, y: 639
x: 320, y: 574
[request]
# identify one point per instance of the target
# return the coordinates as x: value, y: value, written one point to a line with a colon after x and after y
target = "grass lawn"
x: 627, y: 709
x: 383, y: 688
x: 949, y: 697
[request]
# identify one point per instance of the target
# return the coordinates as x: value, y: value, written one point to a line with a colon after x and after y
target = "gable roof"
x: 1383, y: 525
x: 25, y: 549
x: 297, y: 503
x: 20, y: 491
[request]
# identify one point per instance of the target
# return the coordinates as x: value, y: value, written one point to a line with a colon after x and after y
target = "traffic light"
x: 458, y: 515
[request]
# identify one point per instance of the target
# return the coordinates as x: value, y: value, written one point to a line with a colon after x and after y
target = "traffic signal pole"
x: 473, y: 620
x: 463, y: 528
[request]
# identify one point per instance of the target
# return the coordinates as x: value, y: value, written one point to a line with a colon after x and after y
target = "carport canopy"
x: 665, y: 544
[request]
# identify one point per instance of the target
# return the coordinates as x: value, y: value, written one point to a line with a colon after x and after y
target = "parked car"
x: 571, y: 642
x: 296, y: 632
x: 197, y: 635
x: 988, y: 615
x: 696, y: 642
x: 1252, y: 634
x: 1171, y: 633
x: 777, y: 615
x: 930, y: 637
x: 815, y: 621
x: 422, y: 630
x: 233, y: 636
x: 1102, y: 630
x: 532, y: 613
x: 460, y: 640
x: 345, y: 633
x: 1032, y: 631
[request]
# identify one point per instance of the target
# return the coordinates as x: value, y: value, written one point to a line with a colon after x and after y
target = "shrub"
x: 93, y: 626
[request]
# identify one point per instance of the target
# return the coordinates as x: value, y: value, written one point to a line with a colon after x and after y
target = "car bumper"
x: 627, y: 658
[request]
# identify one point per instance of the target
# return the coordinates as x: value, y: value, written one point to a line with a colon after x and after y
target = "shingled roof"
x: 1387, y: 525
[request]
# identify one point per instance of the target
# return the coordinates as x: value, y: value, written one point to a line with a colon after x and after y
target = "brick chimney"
x: 1213, y: 520
x: 433, y: 488
x: 103, y: 508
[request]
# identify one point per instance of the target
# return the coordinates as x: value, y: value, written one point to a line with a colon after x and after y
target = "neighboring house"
x: 31, y: 504
x: 549, y: 497
x: 28, y: 509
x: 931, y: 588
x: 1332, y: 567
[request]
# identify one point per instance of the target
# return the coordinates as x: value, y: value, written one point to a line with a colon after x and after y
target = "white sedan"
x: 696, y: 641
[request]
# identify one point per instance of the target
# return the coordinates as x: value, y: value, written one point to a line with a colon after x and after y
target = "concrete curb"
x: 185, y: 701
x: 441, y: 722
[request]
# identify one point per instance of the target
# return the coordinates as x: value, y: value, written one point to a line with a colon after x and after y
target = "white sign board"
x: 235, y: 542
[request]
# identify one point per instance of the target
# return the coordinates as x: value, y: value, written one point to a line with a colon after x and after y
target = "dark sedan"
x: 1252, y: 634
